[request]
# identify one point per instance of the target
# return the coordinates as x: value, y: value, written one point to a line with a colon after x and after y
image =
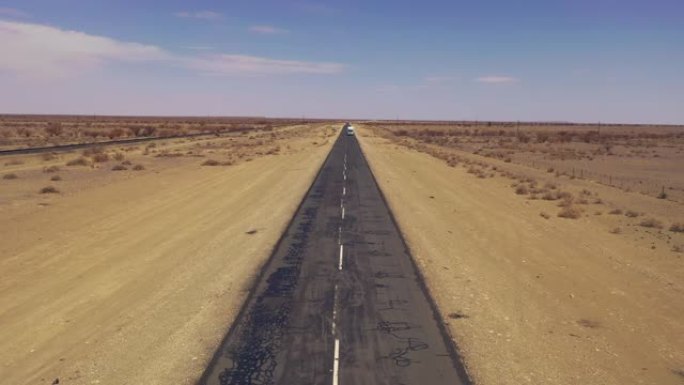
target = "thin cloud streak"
x: 493, y: 79
x: 12, y: 12
x: 41, y: 51
x: 267, y: 30
x: 201, y: 15
x: 245, y: 64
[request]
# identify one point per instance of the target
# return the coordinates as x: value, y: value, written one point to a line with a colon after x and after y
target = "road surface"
x: 339, y: 301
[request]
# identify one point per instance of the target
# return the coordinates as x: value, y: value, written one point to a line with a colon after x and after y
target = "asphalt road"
x: 340, y: 301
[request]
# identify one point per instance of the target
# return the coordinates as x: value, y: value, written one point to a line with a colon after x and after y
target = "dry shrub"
x: 126, y: 163
x: 211, y: 162
x: 651, y: 223
x: 48, y: 156
x: 56, y: 178
x: 119, y: 167
x: 100, y: 158
x: 550, y: 196
x: 10, y: 176
x: 51, y: 169
x: 521, y: 190
x: 138, y: 167
x: 615, y: 212
x: 571, y: 212
x: 616, y: 230
x: 49, y: 190
x: 14, y: 162
x: 631, y: 214
x: 93, y: 151
x: 544, y: 215
x: 677, y: 228
x: 80, y: 161
x: 119, y: 156
x: 566, y: 200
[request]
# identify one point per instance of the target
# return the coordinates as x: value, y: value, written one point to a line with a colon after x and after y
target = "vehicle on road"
x: 349, y: 129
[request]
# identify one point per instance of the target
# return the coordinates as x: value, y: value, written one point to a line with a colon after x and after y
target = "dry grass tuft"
x: 49, y: 190
x: 544, y: 215
x: 80, y: 161
x: 615, y: 212
x: 570, y: 212
x: 651, y: 223
x: 138, y: 167
x: 119, y: 167
x: 616, y: 230
x: 631, y: 214
x: 677, y: 228
x: 56, y: 178
x: 521, y: 190
x: 100, y: 158
x: 211, y: 162
x: 10, y: 176
x: 51, y: 169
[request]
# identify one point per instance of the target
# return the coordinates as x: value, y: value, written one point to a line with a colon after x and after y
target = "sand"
x: 531, y: 300
x: 134, y: 277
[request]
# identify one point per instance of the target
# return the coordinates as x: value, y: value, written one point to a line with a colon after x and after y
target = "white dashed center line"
x: 339, y: 266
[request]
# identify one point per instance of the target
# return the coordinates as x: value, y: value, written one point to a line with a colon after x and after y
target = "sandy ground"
x: 133, y: 277
x: 535, y: 300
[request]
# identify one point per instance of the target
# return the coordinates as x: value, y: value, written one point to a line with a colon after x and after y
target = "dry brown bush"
x: 521, y: 190
x: 56, y: 178
x: 571, y: 212
x: 80, y: 161
x: 51, y: 169
x: 677, y: 228
x: 10, y: 176
x: 49, y: 190
x: 119, y: 156
x: 211, y: 162
x: 615, y: 212
x: 631, y: 214
x: 651, y: 223
x: 138, y: 167
x: 544, y: 215
x: 616, y: 230
x: 119, y: 167
x: 48, y: 156
x: 100, y: 158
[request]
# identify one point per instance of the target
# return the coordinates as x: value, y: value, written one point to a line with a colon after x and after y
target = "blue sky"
x: 579, y: 60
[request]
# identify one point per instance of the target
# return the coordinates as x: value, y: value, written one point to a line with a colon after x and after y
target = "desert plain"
x: 553, y: 252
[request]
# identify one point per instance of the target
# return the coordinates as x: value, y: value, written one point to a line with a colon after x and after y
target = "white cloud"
x: 202, y: 15
x: 267, y: 30
x: 494, y: 79
x: 45, y: 51
x: 236, y: 64
x: 41, y: 51
x: 12, y: 12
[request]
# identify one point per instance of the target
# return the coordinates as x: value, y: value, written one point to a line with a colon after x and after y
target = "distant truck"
x: 349, y: 129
